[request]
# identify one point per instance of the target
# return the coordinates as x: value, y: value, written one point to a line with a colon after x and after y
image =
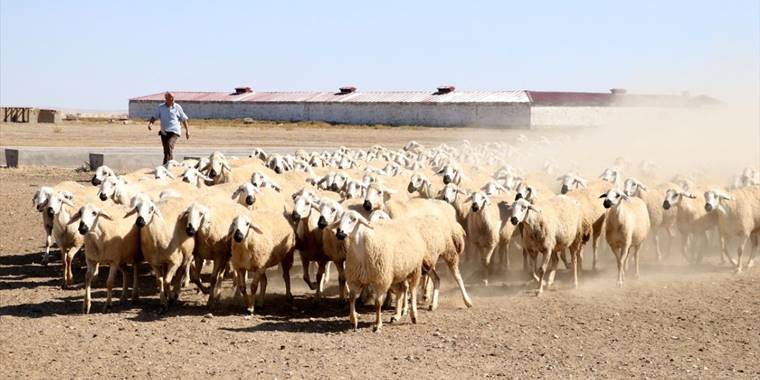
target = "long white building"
x: 444, y: 107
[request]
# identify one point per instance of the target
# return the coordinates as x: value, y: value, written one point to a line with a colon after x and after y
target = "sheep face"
x: 610, y: 175
x: 193, y: 176
x: 216, y: 165
x: 145, y: 209
x: 450, y: 193
x: 329, y: 212
x: 55, y: 203
x: 416, y: 182
x: 240, y: 227
x: 277, y: 164
x: 246, y: 194
x: 41, y: 196
x: 303, y: 205
x: 713, y: 199
x: 109, y: 188
x: 355, y: 189
x: 569, y: 182
x: 524, y: 191
x: 449, y: 173
x: 613, y: 197
x: 348, y: 224
x: 520, y: 211
x: 88, y: 218
x: 339, y: 182
x: 375, y: 197
x: 161, y: 172
x: 673, y: 197
x: 196, y: 216
x: 492, y: 188
x: 479, y: 201
x: 100, y: 174
x: 631, y: 187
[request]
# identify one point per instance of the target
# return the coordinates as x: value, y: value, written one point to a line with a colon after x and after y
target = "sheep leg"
x: 319, y: 280
x: 755, y: 243
x: 454, y: 269
x: 574, y: 262
x: 656, y: 238
x: 216, y: 280
x: 724, y: 252
x: 65, y: 264
x: 621, y: 257
x: 48, y: 244
x: 326, y: 277
x: 636, y: 273
x: 135, y: 279
x: 255, y: 281
x: 685, y: 248
x: 544, y: 268
x: 343, y: 288
x: 553, y: 268
x: 414, y: 281
x: 425, y: 287
x: 353, y: 292
x: 526, y: 264
x: 174, y: 280
x: 563, y: 255
x: 379, y: 299
x: 195, y: 274
x: 436, y: 289
x: 740, y: 252
x: 262, y: 280
x: 159, y: 271
x: 306, y: 276
x: 399, y: 290
x: 91, y: 269
x: 596, y: 234
x: 242, y: 278
x: 285, y: 265
x: 124, y: 284
x: 109, y: 286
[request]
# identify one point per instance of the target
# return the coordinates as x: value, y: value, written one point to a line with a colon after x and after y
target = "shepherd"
x: 171, y: 116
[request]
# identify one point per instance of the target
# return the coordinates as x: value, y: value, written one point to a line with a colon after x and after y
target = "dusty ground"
x: 209, y: 133
x: 676, y: 322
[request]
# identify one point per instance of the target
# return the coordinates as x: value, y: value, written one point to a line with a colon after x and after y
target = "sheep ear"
x: 256, y: 228
x: 226, y: 166
x: 689, y: 195
x: 170, y: 175
x: 130, y: 212
x: 67, y: 202
x: 365, y: 223
x: 275, y: 186
x: 236, y: 193
x: 105, y: 215
x: 158, y: 213
x: 534, y: 208
x: 75, y: 218
x: 603, y: 196
x: 726, y: 197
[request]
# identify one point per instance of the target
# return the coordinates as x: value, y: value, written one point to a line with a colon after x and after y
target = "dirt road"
x: 676, y: 322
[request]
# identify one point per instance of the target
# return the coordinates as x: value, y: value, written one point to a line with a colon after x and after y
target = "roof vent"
x: 347, y: 90
x: 618, y: 91
x: 445, y: 90
x: 242, y: 90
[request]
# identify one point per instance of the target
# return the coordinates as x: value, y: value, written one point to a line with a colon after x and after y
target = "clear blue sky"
x: 98, y: 54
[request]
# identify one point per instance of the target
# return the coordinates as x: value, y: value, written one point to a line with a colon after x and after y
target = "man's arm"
x: 187, y: 129
x: 150, y: 123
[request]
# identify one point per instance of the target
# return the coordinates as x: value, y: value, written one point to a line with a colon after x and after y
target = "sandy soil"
x: 675, y: 322
x: 227, y: 133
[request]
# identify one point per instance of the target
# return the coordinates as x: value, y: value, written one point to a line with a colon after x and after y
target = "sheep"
x: 162, y: 173
x: 278, y: 164
x: 626, y: 228
x: 738, y: 216
x: 484, y: 226
x: 450, y: 193
x: 420, y: 183
x: 593, y: 212
x: 260, y: 240
x: 659, y: 218
x: 381, y: 256
x: 40, y: 201
x: 163, y: 241
x: 548, y: 228
x: 354, y: 189
x: 259, y: 198
x: 195, y: 177
x: 309, y: 238
x: 692, y: 221
x: 210, y: 229
x: 262, y: 180
x: 451, y: 174
x: 60, y: 208
x: 101, y: 173
x: 110, y: 240
x: 217, y: 169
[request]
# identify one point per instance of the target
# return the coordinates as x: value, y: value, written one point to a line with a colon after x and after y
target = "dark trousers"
x: 167, y: 140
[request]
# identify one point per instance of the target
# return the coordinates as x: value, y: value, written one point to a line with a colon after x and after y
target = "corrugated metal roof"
x: 355, y: 97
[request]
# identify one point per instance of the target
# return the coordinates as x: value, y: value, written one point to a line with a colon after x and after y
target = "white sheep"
x: 262, y: 180
x: 195, y: 177
x: 110, y: 240
x: 660, y: 220
x: 419, y: 183
x: 40, y: 201
x: 309, y: 238
x: 164, y: 242
x: 486, y: 233
x: 217, y: 168
x: 60, y: 208
x: 388, y: 254
x: 549, y: 227
x: 626, y: 228
x: 692, y: 221
x: 260, y: 240
x: 738, y: 217
x: 101, y: 173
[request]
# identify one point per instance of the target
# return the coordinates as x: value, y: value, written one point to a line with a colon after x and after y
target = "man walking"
x: 171, y: 115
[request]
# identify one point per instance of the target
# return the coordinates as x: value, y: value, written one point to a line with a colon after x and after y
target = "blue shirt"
x: 170, y: 117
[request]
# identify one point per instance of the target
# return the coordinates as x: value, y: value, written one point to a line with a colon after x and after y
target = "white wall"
x: 507, y: 115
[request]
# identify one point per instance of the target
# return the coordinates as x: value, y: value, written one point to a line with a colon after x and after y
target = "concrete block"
x: 96, y: 160
x: 11, y: 158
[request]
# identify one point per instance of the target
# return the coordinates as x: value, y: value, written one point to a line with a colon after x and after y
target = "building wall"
x: 576, y: 116
x: 506, y: 115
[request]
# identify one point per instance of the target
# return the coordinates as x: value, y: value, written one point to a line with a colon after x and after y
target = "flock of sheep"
x: 383, y: 218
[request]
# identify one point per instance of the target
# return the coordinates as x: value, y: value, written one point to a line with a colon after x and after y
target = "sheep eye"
x: 94, y: 213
